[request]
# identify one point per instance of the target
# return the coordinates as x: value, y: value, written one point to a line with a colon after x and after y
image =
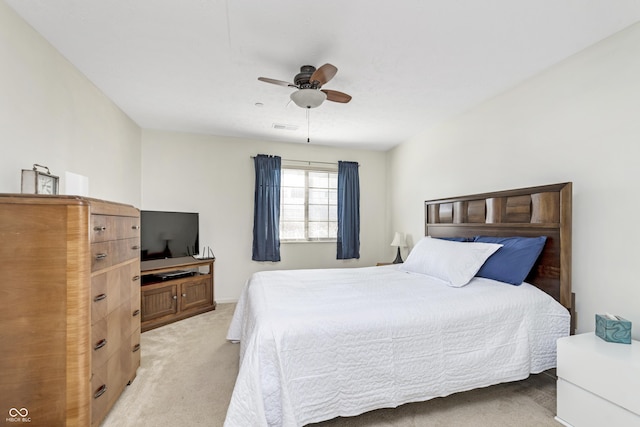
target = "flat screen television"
x: 168, y: 234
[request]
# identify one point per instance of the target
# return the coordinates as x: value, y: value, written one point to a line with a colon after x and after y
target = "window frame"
x: 328, y: 168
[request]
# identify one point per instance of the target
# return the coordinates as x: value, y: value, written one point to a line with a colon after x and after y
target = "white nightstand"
x: 598, y: 382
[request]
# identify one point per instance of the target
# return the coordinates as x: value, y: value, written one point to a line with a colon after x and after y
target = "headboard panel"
x: 527, y: 212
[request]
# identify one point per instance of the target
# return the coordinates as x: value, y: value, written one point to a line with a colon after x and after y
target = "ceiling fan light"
x: 308, y: 98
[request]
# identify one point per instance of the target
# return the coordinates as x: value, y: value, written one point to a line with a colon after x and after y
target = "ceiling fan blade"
x: 276, y: 82
x: 335, y: 96
x: 323, y: 74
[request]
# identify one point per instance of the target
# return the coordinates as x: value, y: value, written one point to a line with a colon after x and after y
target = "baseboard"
x: 226, y: 301
x: 562, y: 422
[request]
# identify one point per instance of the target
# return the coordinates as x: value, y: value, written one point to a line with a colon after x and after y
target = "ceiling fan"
x: 309, y: 82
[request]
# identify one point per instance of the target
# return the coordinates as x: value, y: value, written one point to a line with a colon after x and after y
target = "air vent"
x: 280, y: 126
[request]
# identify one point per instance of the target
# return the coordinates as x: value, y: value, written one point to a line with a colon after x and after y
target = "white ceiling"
x: 192, y: 65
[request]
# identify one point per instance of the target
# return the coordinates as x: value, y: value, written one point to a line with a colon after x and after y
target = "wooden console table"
x: 174, y: 289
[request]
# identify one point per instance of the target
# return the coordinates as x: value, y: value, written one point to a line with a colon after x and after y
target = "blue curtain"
x: 266, y: 214
x: 348, y: 211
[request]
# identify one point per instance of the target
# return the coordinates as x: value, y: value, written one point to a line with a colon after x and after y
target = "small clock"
x: 38, y: 182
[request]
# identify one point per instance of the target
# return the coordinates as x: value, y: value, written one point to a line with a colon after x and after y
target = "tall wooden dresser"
x: 69, y: 307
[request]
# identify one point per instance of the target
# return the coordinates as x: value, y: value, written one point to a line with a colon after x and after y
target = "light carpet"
x: 188, y: 371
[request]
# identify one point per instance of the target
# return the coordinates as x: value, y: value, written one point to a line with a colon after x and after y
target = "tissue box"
x: 618, y: 331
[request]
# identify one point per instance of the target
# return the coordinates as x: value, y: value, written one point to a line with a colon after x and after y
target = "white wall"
x: 579, y: 121
x: 51, y: 114
x: 215, y: 177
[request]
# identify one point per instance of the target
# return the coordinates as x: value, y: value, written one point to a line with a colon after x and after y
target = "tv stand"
x: 174, y: 289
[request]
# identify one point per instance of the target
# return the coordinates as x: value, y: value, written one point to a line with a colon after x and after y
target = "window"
x: 308, y: 204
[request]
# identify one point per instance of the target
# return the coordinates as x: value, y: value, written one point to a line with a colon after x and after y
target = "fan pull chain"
x: 308, y: 110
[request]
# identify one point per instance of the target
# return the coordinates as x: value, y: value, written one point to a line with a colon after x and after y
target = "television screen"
x: 168, y: 234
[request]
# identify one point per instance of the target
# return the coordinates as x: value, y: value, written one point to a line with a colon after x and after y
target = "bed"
x: 317, y: 344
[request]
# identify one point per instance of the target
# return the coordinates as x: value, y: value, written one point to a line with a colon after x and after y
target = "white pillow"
x: 454, y: 262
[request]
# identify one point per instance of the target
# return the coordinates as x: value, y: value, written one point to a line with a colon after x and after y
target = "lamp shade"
x: 308, y: 98
x: 399, y: 240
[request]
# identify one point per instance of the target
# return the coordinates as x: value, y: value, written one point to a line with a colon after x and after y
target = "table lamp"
x: 399, y: 241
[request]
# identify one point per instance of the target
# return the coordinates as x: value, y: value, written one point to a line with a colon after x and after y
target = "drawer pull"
x: 135, y: 348
x: 175, y: 297
x: 135, y: 278
x: 99, y: 297
x: 99, y: 228
x: 135, y: 313
x: 135, y: 248
x: 101, y: 256
x: 184, y: 295
x: 100, y: 344
x: 135, y: 227
x: 100, y: 391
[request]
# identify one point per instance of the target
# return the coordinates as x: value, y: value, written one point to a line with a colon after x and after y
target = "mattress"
x: 317, y: 344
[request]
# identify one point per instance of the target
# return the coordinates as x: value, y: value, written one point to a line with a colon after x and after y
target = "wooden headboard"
x: 527, y: 212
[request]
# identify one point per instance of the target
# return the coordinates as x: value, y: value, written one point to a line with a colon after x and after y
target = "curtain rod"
x: 307, y: 161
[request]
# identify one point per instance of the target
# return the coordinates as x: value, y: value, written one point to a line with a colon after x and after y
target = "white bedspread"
x: 316, y: 344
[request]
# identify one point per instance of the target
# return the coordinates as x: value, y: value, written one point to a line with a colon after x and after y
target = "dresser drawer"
x: 106, y: 293
x: 106, y: 336
x: 106, y: 254
x: 135, y: 306
x: 130, y: 355
x: 132, y: 315
x: 107, y: 383
x: 112, y: 287
x: 608, y: 370
x: 136, y: 349
x: 99, y: 394
x: 99, y: 344
x: 110, y: 227
x: 579, y: 407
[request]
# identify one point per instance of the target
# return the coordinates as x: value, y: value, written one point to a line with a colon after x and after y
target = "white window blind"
x: 308, y: 204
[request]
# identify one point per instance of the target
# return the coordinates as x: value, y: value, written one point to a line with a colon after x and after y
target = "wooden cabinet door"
x: 196, y: 293
x: 159, y: 301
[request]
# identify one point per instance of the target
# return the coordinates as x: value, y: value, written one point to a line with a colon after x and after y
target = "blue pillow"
x: 514, y: 260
